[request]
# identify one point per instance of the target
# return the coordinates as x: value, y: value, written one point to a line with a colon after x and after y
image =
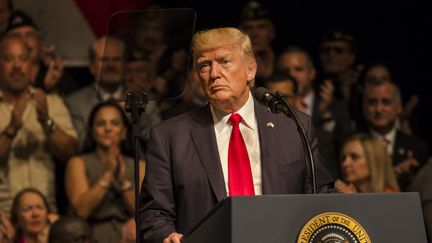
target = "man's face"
x: 14, y: 65
x: 31, y: 38
x: 297, y: 66
x: 224, y: 74
x: 336, y: 56
x: 109, y: 64
x: 260, y: 31
x: 381, y: 107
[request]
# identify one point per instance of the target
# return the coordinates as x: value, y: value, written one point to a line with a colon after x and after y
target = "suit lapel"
x: 267, y: 129
x: 204, y: 139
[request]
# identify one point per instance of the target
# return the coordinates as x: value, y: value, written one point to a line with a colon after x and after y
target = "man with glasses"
x: 107, y: 65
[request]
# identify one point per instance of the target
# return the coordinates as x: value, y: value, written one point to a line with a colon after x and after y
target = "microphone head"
x: 263, y: 95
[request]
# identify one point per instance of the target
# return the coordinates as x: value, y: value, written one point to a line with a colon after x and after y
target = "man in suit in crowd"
x: 382, y: 105
x: 191, y: 162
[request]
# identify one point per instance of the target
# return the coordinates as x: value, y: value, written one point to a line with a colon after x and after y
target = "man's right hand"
x: 173, y: 238
x: 19, y: 107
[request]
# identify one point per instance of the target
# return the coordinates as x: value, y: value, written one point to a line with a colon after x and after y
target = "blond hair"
x: 378, y: 159
x: 211, y: 39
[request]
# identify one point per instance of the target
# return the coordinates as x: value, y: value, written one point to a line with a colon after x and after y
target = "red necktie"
x: 239, y: 171
x: 304, y: 104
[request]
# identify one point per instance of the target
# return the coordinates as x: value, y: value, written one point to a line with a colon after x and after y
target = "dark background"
x: 395, y: 32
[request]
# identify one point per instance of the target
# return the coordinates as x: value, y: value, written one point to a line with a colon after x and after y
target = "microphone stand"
x: 136, y: 105
x: 280, y: 105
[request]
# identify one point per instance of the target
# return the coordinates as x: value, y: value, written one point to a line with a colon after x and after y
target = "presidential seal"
x: 333, y: 227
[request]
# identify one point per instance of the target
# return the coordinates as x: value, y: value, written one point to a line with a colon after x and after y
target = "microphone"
x: 277, y: 104
x: 265, y: 97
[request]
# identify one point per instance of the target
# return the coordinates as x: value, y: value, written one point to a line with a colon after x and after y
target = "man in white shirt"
x: 34, y: 127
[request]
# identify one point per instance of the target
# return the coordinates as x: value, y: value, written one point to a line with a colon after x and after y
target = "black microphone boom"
x: 277, y: 105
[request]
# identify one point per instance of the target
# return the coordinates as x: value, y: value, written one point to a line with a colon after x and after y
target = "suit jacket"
x: 404, y: 143
x: 184, y: 178
x: 330, y: 142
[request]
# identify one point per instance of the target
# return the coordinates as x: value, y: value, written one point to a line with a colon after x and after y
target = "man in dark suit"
x: 189, y: 157
x: 382, y: 106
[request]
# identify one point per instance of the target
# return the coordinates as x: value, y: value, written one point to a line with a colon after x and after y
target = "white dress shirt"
x: 249, y: 131
x: 389, y: 138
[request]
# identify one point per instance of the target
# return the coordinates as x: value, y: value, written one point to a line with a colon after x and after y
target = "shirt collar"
x: 247, y: 112
x: 309, y: 101
x: 390, y: 136
x: 117, y: 95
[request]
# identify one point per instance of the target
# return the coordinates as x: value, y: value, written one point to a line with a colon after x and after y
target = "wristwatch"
x: 49, y: 126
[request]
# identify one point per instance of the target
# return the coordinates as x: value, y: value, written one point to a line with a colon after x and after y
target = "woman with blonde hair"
x: 366, y: 166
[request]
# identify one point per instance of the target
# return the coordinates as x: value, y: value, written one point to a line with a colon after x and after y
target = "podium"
x: 361, y: 217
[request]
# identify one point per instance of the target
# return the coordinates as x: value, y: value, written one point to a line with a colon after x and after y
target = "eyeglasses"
x: 336, y: 49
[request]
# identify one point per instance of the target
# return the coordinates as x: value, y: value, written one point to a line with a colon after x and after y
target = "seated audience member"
x: 35, y: 128
x: 7, y: 231
x: 47, y: 70
x: 31, y: 217
x: 285, y: 85
x: 382, y: 106
x: 366, y: 166
x: 70, y: 229
x: 100, y: 182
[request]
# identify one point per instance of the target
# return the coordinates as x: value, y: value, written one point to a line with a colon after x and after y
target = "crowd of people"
x: 60, y: 138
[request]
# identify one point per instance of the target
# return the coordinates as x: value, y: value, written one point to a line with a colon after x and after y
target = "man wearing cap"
x: 256, y: 22
x: 47, y: 71
x: 34, y: 128
x: 338, y: 55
